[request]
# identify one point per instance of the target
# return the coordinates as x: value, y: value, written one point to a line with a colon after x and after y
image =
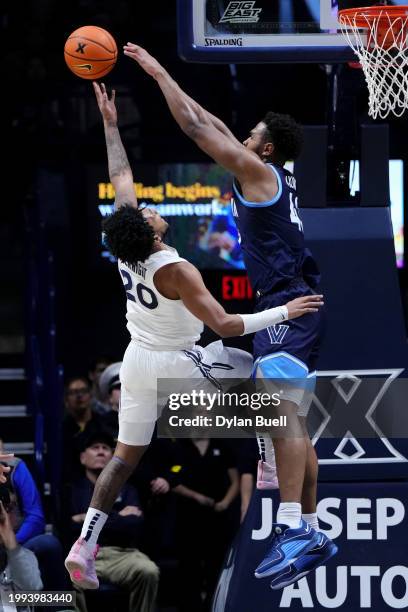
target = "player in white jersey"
x: 167, y: 304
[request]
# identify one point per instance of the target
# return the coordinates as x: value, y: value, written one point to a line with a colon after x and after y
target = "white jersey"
x: 154, y: 321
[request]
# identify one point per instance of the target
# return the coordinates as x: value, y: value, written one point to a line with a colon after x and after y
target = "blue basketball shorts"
x: 290, y: 350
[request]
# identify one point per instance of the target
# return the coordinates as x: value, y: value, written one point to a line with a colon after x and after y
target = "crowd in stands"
x: 170, y: 527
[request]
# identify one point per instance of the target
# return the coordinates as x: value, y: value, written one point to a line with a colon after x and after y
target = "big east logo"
x: 241, y: 12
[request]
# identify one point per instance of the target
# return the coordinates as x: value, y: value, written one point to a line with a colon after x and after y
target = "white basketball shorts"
x: 140, y: 405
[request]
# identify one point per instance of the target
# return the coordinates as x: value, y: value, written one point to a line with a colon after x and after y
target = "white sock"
x: 93, y: 523
x: 266, y: 450
x: 312, y: 520
x: 289, y: 513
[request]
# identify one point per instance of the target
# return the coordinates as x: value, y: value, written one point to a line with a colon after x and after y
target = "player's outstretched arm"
x: 120, y: 172
x: 209, y: 132
x: 156, y: 70
x: 188, y: 283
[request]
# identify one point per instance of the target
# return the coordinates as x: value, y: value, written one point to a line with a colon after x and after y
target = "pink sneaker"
x: 80, y: 564
x: 266, y: 477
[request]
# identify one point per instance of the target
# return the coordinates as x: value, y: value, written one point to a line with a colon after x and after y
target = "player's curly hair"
x: 285, y: 134
x: 128, y: 236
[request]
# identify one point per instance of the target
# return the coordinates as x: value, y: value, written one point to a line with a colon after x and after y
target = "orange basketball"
x: 90, y: 52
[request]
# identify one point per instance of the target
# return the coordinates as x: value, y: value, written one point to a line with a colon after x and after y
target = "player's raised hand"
x: 106, y: 105
x: 144, y: 59
x: 303, y: 305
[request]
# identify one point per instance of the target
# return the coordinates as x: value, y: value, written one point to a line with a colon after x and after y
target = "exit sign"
x: 236, y: 288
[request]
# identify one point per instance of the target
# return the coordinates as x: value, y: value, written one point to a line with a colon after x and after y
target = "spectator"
x: 18, y: 565
x: 80, y: 421
x: 207, y: 517
x: 159, y: 469
x: 27, y: 502
x: 247, y: 461
x: 97, y: 367
x: 156, y: 476
x: 109, y: 385
x: 4, y: 469
x: 119, y: 561
x: 29, y: 524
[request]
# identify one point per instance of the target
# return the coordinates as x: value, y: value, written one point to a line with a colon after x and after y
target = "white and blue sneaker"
x: 306, y: 563
x: 287, y: 545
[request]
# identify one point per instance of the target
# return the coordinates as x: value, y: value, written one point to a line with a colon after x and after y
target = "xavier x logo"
x: 350, y: 413
x: 81, y: 48
x: 277, y: 333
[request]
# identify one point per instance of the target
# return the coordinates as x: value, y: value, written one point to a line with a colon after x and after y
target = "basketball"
x: 90, y: 52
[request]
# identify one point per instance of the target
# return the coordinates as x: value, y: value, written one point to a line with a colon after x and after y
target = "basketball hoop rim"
x: 378, y: 36
x: 364, y: 17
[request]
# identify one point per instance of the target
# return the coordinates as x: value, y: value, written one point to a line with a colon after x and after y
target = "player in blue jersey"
x: 265, y: 207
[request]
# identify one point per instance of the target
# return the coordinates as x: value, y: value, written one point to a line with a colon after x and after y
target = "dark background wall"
x: 52, y: 133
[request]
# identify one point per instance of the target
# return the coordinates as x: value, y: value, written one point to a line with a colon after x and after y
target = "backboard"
x: 229, y: 31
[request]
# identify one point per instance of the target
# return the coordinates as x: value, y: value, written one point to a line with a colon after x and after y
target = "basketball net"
x: 378, y: 36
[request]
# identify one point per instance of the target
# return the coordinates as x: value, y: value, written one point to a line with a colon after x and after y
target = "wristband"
x: 260, y: 320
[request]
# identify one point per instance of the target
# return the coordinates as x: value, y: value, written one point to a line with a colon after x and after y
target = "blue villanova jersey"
x: 271, y: 235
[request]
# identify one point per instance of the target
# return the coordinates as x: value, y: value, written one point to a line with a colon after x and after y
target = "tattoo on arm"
x: 117, y: 158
